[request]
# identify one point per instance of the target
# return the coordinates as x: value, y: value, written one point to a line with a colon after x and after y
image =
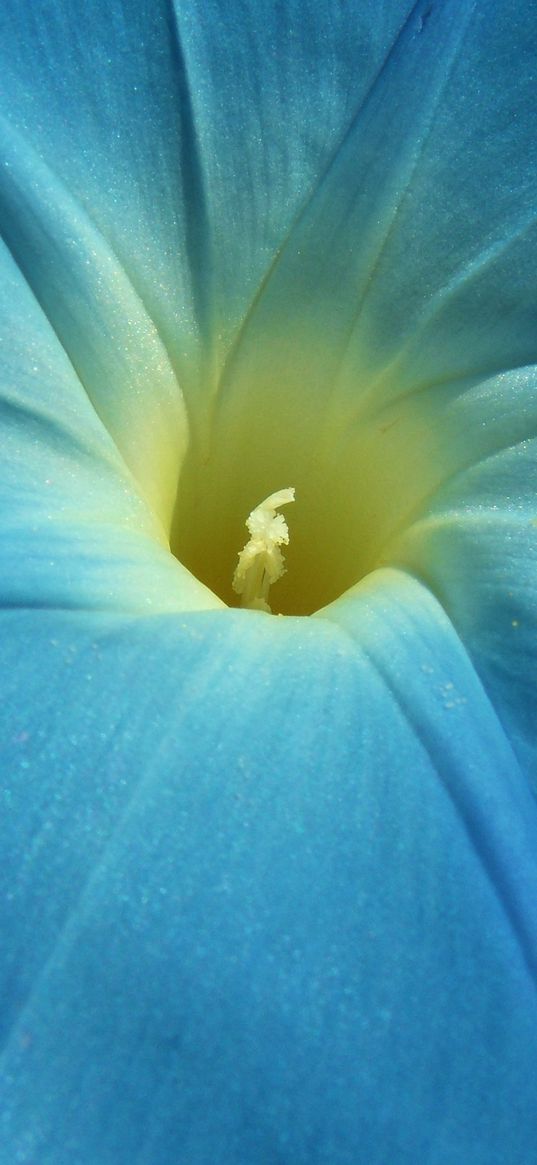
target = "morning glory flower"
x: 269, y: 873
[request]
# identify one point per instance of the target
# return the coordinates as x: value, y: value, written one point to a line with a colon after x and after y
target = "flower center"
x: 363, y: 464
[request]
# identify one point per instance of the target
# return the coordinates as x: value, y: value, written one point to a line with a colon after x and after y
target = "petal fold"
x: 303, y: 932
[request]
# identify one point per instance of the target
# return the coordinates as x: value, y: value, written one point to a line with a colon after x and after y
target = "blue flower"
x: 269, y: 883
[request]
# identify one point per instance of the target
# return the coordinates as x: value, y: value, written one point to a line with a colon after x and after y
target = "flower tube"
x: 269, y: 875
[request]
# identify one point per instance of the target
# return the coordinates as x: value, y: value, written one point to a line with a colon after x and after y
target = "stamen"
x: 261, y: 562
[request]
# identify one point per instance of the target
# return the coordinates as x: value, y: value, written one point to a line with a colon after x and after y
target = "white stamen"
x: 261, y: 563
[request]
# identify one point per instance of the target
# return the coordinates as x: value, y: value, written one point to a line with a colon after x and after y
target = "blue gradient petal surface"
x: 269, y: 885
x: 303, y: 932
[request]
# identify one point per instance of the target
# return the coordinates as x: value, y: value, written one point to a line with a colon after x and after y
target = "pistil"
x: 261, y: 562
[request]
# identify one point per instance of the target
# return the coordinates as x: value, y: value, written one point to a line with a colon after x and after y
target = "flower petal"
x: 305, y: 933
x: 477, y: 548
x: 76, y: 527
x: 395, y: 341
x: 164, y: 123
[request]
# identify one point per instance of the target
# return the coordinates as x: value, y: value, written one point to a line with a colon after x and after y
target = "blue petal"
x: 302, y: 932
x: 477, y: 548
x: 164, y: 123
x: 270, y: 885
x: 395, y: 333
x: 77, y: 528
